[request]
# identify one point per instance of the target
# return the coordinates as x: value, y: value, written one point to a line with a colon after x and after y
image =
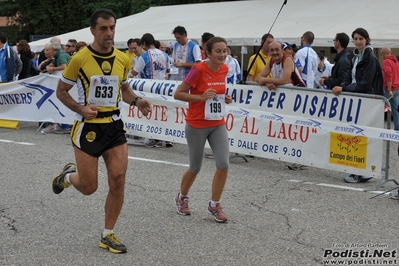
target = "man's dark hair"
x: 206, y: 36
x: 148, y: 39
x: 309, y: 37
x: 179, y: 30
x: 129, y: 41
x: 137, y: 40
x: 101, y: 13
x: 73, y: 41
x: 267, y: 35
x: 157, y: 44
x: 3, y: 37
x: 343, y: 39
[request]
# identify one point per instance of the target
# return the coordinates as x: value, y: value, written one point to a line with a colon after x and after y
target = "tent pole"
x: 244, y: 80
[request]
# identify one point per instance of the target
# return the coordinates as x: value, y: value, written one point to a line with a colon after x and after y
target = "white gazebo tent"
x: 244, y: 22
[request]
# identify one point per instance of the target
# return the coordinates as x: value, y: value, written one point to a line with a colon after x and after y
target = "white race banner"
x: 34, y: 99
x: 295, y: 125
x: 309, y: 127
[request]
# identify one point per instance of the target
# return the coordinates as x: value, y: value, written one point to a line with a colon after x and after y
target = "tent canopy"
x: 244, y: 22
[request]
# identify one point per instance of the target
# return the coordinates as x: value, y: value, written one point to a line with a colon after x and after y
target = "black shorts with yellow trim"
x: 95, y: 138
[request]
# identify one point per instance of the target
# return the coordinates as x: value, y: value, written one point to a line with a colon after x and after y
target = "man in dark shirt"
x: 341, y: 62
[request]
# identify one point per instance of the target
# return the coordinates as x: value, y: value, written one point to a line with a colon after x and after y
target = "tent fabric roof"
x: 244, y: 22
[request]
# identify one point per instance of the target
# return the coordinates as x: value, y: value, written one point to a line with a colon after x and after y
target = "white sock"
x: 181, y: 195
x: 67, y: 178
x: 106, y: 231
x: 213, y: 203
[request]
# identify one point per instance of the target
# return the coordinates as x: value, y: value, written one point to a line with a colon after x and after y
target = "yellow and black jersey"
x: 98, y: 78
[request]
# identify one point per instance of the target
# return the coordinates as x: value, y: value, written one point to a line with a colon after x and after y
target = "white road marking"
x: 336, y: 186
x: 25, y: 143
x: 16, y: 142
x: 157, y: 161
x: 291, y: 180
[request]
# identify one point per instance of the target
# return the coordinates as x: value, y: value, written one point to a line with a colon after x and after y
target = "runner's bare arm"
x: 129, y: 96
x: 182, y: 94
x: 88, y: 111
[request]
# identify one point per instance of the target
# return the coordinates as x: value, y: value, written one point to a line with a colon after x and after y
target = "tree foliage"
x: 49, y: 17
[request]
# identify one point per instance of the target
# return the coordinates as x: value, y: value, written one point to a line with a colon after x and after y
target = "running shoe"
x: 296, y: 166
x: 112, y: 243
x: 217, y: 213
x: 51, y: 128
x: 182, y: 205
x: 356, y: 179
x: 66, y: 130
x: 151, y: 143
x: 159, y: 144
x: 394, y: 195
x: 59, y: 181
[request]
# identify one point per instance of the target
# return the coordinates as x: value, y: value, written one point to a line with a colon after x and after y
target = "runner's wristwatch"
x: 134, y: 103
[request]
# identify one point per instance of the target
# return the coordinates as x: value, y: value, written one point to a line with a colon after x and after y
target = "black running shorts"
x: 94, y: 139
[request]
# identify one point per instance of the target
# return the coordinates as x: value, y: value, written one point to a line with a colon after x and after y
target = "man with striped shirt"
x: 306, y: 59
x: 185, y: 54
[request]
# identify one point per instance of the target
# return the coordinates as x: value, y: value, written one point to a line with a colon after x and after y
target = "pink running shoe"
x: 182, y: 205
x: 217, y: 213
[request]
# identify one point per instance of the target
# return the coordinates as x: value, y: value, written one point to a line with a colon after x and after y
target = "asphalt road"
x: 276, y: 216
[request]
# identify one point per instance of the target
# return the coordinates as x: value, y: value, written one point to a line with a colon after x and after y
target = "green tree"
x: 50, y: 17
x: 41, y: 17
x: 54, y: 17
